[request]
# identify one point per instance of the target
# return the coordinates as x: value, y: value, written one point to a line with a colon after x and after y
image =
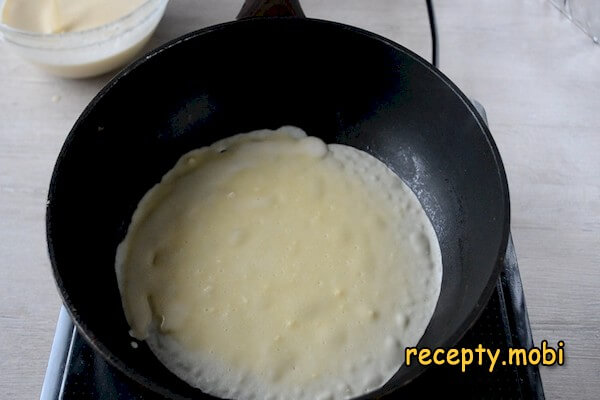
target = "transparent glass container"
x: 90, y: 52
x: 586, y: 15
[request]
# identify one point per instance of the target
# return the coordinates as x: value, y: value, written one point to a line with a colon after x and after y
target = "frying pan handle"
x: 271, y: 8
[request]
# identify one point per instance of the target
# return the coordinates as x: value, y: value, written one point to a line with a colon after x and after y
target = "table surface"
x: 538, y: 77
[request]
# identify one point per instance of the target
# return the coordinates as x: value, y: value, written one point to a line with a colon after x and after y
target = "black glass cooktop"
x: 76, y: 371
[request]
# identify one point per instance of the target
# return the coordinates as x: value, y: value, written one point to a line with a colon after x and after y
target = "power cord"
x: 434, y: 35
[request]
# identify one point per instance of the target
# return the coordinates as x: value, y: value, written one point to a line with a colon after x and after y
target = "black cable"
x: 434, y: 35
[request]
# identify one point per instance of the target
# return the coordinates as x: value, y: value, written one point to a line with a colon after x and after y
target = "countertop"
x: 538, y: 77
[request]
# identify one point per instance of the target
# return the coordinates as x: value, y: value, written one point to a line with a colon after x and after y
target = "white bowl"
x: 90, y: 52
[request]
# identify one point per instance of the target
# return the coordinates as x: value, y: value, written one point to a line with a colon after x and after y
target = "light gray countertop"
x: 538, y: 77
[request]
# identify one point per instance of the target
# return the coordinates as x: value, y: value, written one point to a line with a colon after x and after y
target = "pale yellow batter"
x: 56, y: 16
x: 272, y: 265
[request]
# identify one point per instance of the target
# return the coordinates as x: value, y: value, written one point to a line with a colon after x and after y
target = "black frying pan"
x: 334, y: 81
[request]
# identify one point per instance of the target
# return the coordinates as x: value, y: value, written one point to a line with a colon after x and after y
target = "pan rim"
x: 133, y: 374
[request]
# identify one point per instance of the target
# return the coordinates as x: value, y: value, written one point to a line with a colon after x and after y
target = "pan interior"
x: 335, y: 82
